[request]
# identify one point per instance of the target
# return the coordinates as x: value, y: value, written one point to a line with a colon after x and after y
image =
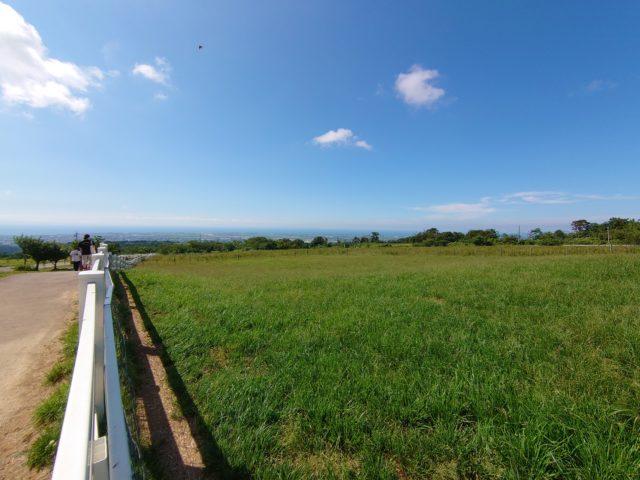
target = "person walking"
x: 87, y: 248
x: 76, y: 258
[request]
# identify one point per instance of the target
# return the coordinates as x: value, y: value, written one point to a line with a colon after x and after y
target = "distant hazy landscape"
x: 183, y: 236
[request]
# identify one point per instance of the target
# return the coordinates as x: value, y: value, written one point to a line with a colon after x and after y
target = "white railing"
x: 94, y: 442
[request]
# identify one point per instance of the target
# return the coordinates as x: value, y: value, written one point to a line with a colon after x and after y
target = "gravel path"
x: 35, y: 308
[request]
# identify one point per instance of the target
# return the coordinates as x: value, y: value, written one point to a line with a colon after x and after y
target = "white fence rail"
x: 94, y: 442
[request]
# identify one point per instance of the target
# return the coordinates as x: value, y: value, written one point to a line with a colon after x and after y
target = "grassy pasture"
x: 405, y: 362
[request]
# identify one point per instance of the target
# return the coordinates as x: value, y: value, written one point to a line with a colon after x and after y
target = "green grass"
x: 49, y: 414
x: 405, y: 362
x: 19, y: 266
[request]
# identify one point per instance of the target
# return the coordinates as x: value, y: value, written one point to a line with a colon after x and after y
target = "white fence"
x: 94, y: 442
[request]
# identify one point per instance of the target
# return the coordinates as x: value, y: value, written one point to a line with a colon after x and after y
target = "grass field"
x: 404, y: 363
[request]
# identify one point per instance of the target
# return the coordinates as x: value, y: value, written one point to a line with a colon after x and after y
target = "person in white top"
x: 76, y: 258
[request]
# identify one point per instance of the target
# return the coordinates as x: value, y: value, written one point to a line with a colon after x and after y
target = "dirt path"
x: 35, y: 308
x: 162, y: 426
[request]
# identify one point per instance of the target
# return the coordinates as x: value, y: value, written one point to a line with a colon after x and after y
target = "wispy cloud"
x: 541, y: 198
x: 599, y: 85
x: 458, y: 211
x: 29, y: 76
x: 551, y: 198
x: 161, y: 96
x: 593, y: 87
x: 414, y: 87
x: 341, y: 137
x: 488, y: 205
x: 616, y: 197
x: 160, y: 73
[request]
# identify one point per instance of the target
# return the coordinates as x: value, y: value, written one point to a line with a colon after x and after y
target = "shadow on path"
x: 216, y: 465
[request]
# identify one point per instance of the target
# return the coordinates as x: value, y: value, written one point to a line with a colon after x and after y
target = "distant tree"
x: 319, y: 241
x: 580, y: 227
x: 619, y: 223
x: 548, y: 238
x: 229, y: 246
x: 298, y: 243
x: 23, y: 242
x: 114, y: 247
x: 283, y: 243
x: 482, y: 237
x: 535, y: 234
x: 97, y: 240
x: 509, y: 239
x: 355, y: 240
x: 375, y: 237
x: 483, y: 241
x: 54, y: 252
x: 34, y: 248
x: 489, y: 233
x: 260, y: 243
x: 445, y: 238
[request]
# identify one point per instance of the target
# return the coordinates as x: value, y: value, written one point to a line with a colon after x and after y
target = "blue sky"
x: 335, y: 114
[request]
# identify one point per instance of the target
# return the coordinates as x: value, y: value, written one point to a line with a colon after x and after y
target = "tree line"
x: 615, y: 231
x: 41, y: 251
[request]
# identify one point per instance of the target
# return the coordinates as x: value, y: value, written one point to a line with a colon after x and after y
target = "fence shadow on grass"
x: 216, y: 465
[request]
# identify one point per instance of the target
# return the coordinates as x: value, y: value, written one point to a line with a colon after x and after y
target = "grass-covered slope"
x: 395, y: 363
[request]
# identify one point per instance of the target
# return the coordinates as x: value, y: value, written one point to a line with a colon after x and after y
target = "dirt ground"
x: 35, y: 309
x: 172, y: 436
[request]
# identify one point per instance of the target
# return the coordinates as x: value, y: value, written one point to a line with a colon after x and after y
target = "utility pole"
x: 609, y: 238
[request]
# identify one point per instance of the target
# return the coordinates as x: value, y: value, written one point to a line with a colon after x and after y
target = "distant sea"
x: 168, y: 235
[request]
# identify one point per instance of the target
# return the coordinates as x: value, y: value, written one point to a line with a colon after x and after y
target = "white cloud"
x: 415, y: 89
x: 458, y: 211
x: 159, y: 74
x: 161, y: 96
x: 542, y: 198
x: 342, y: 137
x: 29, y: 76
x: 333, y: 137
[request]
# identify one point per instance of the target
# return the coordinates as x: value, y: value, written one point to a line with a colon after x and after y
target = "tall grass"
x: 48, y: 416
x: 406, y: 363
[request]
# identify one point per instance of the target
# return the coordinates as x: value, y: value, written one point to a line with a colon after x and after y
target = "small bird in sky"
x: 200, y: 47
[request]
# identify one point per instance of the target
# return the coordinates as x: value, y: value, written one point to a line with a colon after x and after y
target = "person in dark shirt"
x: 87, y: 248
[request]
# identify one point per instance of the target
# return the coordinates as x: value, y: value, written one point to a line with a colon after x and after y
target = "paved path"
x: 35, y: 308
